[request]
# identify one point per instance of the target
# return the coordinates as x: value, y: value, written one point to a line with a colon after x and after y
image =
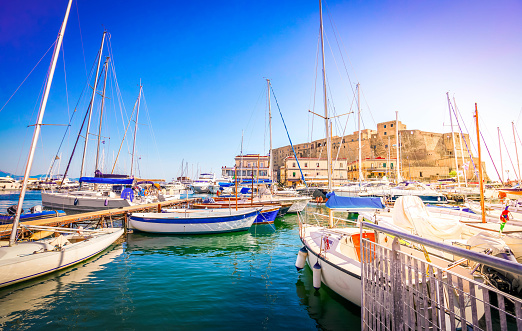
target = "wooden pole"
x: 252, y: 193
x: 480, y: 168
x: 235, y: 177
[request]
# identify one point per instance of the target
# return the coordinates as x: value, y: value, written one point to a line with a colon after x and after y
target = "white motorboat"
x: 194, y: 221
x: 206, y: 183
x: 9, y: 183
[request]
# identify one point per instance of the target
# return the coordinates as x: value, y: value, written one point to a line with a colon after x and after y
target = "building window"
x: 385, y: 126
x: 384, y: 165
x: 294, y: 174
x: 263, y: 173
x: 317, y: 174
x: 371, y: 165
x: 317, y: 164
x: 261, y: 165
x: 391, y: 165
x: 341, y: 165
x: 391, y: 125
x: 420, y: 174
x: 385, y: 146
x: 293, y: 164
x: 306, y: 164
x: 385, y: 133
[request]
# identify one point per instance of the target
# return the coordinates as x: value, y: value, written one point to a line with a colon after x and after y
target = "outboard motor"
x: 12, y: 210
x: 503, y: 280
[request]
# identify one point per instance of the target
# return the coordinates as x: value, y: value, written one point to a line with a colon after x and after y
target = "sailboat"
x: 332, y: 251
x: 20, y: 261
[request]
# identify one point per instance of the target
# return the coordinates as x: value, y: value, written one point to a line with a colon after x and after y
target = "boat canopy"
x: 100, y: 180
x: 353, y: 203
x: 99, y: 174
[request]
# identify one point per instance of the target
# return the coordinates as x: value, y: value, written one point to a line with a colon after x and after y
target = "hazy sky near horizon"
x: 203, y: 66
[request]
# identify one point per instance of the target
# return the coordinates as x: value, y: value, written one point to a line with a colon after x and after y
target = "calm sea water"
x: 230, y: 281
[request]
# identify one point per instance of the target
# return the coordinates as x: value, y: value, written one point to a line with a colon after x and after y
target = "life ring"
x: 319, y: 199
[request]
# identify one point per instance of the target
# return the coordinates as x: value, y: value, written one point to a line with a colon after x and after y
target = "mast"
x: 326, y: 119
x: 36, y: 133
x: 516, y: 151
x: 135, y: 131
x: 464, y: 170
x: 397, y: 163
x: 480, y: 168
x: 500, y: 150
x: 453, y: 137
x: 105, y: 67
x: 91, y: 105
x: 359, y: 128
x: 270, y: 167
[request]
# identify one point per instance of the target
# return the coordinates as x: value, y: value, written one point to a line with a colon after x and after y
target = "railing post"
x: 396, y: 287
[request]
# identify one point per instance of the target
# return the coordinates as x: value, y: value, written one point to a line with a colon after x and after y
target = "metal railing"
x: 402, y: 291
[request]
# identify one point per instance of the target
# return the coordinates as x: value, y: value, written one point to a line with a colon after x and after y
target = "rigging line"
x: 288, y: 134
x: 81, y: 38
x: 67, y: 130
x: 12, y: 95
x: 344, y: 131
x: 337, y: 66
x: 260, y: 95
x: 484, y: 140
x: 65, y: 76
x: 509, y: 155
x: 153, y: 135
x: 334, y: 29
x: 455, y: 112
x: 314, y: 90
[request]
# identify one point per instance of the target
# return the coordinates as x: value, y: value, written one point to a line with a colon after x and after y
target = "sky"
x: 203, y: 66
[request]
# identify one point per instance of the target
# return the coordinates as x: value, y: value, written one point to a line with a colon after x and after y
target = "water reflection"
x: 45, y: 293
x: 326, y: 307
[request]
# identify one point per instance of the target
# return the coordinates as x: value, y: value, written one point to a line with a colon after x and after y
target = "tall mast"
x: 359, y: 128
x: 516, y: 151
x: 91, y: 104
x: 500, y: 150
x: 270, y: 167
x: 464, y: 170
x: 480, y: 168
x: 135, y: 132
x: 397, y: 163
x: 326, y: 119
x: 453, y: 137
x: 36, y: 133
x: 105, y: 67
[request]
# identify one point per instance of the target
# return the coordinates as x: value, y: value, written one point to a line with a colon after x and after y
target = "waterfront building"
x: 246, y: 165
x: 315, y: 171
x: 423, y: 155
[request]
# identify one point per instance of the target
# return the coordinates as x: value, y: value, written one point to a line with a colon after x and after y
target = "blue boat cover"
x: 336, y: 202
x: 99, y: 180
x: 244, y: 190
x: 225, y: 184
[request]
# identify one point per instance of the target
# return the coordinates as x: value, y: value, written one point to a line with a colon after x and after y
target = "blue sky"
x: 203, y: 67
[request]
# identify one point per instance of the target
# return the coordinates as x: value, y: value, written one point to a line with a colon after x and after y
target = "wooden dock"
x: 101, y: 215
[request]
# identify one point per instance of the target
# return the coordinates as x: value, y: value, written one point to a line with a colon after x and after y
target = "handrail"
x: 496, y: 262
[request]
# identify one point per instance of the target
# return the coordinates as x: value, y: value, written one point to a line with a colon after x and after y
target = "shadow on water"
x: 325, y: 306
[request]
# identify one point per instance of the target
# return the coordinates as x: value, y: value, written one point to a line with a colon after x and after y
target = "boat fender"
x: 317, y: 276
x: 106, y: 202
x: 301, y: 258
x: 76, y: 201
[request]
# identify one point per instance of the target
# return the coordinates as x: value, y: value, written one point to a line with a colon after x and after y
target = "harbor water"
x: 241, y: 280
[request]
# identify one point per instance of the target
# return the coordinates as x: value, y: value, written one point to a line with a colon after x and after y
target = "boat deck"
x: 117, y: 213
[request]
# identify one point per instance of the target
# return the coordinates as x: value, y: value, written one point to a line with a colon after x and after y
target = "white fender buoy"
x: 301, y: 258
x: 317, y: 276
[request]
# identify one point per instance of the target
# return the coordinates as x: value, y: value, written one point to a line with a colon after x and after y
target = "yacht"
x: 206, y: 183
x: 9, y: 183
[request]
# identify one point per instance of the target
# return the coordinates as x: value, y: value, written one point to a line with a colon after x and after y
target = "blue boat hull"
x: 266, y: 217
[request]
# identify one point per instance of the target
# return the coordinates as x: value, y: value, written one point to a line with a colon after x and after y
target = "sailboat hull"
x: 28, y: 260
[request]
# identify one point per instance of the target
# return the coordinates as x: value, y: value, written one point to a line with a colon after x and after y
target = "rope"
x: 462, y: 136
x: 484, y: 140
x: 288, y: 134
x: 509, y: 155
x: 12, y: 95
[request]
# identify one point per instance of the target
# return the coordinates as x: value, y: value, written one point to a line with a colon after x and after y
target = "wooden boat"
x: 194, y: 221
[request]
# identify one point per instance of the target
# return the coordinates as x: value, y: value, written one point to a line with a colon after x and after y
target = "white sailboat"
x: 20, y: 261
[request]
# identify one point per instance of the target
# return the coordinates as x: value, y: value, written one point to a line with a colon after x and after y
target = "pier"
x: 100, y: 215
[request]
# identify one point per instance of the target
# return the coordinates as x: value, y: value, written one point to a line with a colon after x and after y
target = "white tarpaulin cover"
x: 409, y: 212
x: 484, y: 240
